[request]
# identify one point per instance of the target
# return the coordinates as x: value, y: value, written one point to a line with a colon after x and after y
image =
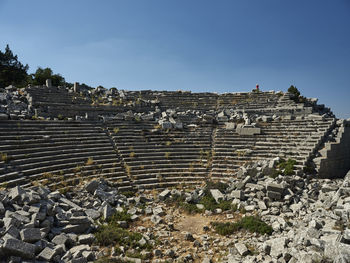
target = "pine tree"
x: 12, y: 72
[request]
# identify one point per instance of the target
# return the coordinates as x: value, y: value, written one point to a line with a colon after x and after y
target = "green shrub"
x: 287, y: 166
x: 111, y: 260
x: 207, y: 201
x: 250, y: 223
x: 119, y: 216
x: 190, y: 208
x: 107, y: 235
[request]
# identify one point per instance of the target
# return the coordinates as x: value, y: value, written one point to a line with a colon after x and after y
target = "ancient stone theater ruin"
x: 171, y: 176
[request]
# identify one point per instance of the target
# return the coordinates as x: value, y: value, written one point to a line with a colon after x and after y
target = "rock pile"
x: 14, y: 104
x: 308, y: 217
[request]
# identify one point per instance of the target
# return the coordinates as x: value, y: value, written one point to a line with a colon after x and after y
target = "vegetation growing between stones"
x: 283, y: 167
x: 110, y: 233
x: 4, y: 157
x: 296, y: 94
x: 251, y: 223
x: 287, y: 167
x: 207, y: 200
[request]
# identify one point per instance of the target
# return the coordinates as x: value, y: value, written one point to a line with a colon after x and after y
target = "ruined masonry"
x: 147, y: 139
x: 70, y: 158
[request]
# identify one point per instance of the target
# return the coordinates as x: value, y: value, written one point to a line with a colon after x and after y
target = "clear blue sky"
x: 198, y: 45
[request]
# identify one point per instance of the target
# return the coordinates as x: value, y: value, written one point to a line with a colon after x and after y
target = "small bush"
x: 4, y: 157
x: 250, y: 223
x: 119, y: 216
x: 107, y: 235
x: 132, y: 155
x: 111, y: 260
x: 287, y: 166
x: 90, y: 161
x: 190, y: 208
x: 167, y: 155
x: 116, y: 130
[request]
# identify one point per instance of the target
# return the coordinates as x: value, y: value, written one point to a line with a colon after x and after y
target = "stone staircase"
x: 334, y: 159
x: 156, y: 158
x: 295, y: 139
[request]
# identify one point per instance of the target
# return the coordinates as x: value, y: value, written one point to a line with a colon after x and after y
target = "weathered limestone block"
x: 248, y: 131
x: 17, y: 247
x: 30, y: 235
x: 242, y: 249
x: 275, y: 188
x: 217, y: 195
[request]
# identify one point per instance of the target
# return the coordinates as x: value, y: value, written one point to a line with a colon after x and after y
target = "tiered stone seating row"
x: 57, y: 153
x: 188, y: 101
x: 159, y: 158
x: 296, y: 139
x: 55, y: 96
x: 248, y: 100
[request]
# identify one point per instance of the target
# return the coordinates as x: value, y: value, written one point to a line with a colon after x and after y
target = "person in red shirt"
x: 257, y: 87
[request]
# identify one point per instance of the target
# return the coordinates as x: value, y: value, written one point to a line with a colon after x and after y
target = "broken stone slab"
x: 277, y: 246
x: 239, y: 194
x: 70, y: 203
x: 240, y: 185
x: 107, y: 211
x: 16, y: 192
x: 92, y: 213
x: 61, y: 239
x: 12, y: 231
x: 76, y: 220
x: 248, y: 131
x: 164, y: 194
x: 217, y: 195
x: 230, y: 125
x: 158, y: 211
x: 92, y: 186
x: 274, y: 195
x: 47, y: 254
x: 242, y: 249
x: 17, y: 247
x: 262, y: 205
x: 30, y: 235
x: 86, y: 239
x: 275, y: 188
x: 77, y: 229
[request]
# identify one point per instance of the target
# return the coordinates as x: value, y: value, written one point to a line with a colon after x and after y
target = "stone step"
x: 62, y: 166
x: 40, y: 149
x: 162, y: 185
x: 62, y: 158
x: 60, y: 154
x: 165, y: 170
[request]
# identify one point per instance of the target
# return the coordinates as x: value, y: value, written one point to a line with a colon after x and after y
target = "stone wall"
x: 335, y: 160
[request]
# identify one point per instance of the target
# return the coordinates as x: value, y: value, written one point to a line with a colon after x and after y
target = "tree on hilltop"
x: 42, y: 74
x: 293, y: 90
x: 12, y: 72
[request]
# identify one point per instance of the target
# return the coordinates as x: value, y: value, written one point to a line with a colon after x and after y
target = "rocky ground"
x: 308, y: 218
